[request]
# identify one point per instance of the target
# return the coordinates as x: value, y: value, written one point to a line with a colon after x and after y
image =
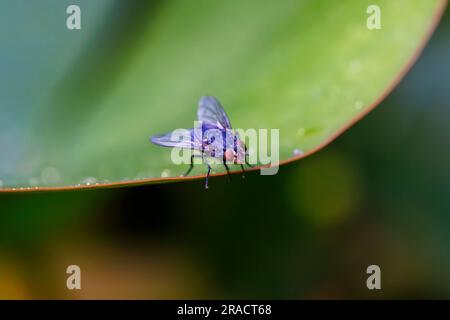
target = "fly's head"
x: 235, y: 153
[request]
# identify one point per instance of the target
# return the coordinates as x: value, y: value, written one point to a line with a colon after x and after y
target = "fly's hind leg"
x: 246, y: 160
x: 243, y: 171
x: 247, y: 163
x: 228, y: 169
x: 207, y: 177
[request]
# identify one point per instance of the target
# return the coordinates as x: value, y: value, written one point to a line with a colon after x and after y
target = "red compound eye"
x: 229, y: 155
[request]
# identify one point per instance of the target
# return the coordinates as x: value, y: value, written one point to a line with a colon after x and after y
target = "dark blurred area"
x: 376, y: 195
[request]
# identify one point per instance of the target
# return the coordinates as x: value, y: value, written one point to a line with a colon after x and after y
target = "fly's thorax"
x: 224, y: 144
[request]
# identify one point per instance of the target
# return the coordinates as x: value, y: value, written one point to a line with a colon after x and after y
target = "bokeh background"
x: 376, y: 195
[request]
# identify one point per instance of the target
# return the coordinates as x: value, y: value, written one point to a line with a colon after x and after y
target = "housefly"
x: 212, y: 136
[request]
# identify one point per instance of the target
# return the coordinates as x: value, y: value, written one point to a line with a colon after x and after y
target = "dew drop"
x: 358, y: 105
x: 140, y: 176
x: 89, y: 181
x: 165, y: 173
x: 297, y: 152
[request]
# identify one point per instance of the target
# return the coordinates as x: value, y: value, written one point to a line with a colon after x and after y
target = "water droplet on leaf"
x: 165, y: 173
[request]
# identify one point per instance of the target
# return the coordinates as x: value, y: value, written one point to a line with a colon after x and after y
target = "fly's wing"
x: 210, y: 110
x: 181, y: 138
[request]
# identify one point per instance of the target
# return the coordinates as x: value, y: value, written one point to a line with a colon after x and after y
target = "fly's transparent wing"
x: 181, y: 138
x: 210, y: 110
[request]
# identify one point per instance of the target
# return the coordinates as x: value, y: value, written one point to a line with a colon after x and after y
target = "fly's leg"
x: 228, y: 170
x: 190, y: 166
x: 207, y: 177
x: 246, y: 162
x: 246, y: 159
x: 243, y: 171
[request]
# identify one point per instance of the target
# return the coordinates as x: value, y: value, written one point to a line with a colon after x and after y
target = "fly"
x: 214, y: 138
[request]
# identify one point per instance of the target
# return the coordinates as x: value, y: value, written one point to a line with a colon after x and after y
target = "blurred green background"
x: 377, y: 195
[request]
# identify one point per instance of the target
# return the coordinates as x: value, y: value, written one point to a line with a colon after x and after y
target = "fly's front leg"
x: 207, y: 177
x: 243, y: 171
x: 246, y: 159
x: 228, y: 170
x: 246, y: 162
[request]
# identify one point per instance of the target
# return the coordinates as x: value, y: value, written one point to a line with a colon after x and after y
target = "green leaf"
x: 77, y: 107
